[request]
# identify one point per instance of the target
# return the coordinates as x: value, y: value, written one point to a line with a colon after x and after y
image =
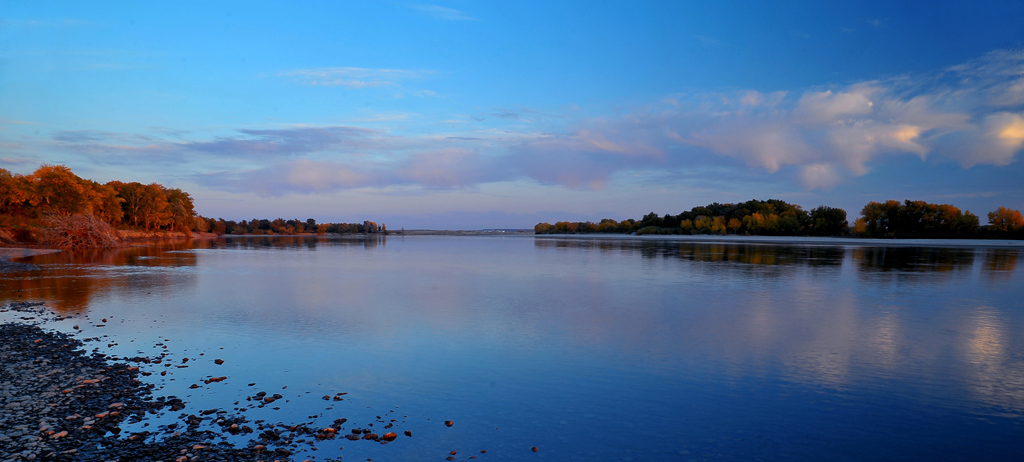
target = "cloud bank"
x: 969, y: 115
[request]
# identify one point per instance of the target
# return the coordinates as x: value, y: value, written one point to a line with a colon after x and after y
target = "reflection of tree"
x: 69, y: 280
x: 912, y: 259
x: 747, y: 254
x: 1000, y: 263
x: 293, y: 242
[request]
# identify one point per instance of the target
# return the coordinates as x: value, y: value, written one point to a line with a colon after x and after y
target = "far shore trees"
x: 890, y: 219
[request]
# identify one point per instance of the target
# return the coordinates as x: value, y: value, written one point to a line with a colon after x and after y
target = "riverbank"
x: 60, y: 403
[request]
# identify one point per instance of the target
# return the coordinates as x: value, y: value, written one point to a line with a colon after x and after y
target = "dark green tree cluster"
x: 916, y: 220
x: 282, y: 226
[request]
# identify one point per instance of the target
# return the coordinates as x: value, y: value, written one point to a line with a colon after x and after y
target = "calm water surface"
x: 590, y: 349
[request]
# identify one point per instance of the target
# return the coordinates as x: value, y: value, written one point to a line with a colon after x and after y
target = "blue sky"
x: 503, y: 114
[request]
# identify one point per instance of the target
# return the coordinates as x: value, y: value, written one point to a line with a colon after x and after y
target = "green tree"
x: 828, y: 221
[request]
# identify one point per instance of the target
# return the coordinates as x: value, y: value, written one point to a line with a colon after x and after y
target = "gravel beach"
x: 60, y: 403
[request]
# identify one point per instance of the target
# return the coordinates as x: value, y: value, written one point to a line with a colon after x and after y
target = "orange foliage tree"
x: 1005, y: 219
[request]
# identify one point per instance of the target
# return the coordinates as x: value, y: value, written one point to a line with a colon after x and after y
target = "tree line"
x: 53, y: 193
x: 54, y: 190
x: 282, y: 226
x: 773, y: 217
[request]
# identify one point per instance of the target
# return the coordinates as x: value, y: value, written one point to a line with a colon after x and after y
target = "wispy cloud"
x: 705, y: 40
x: 16, y: 122
x: 48, y: 23
x: 283, y: 142
x: 352, y: 77
x: 17, y: 161
x: 440, y: 12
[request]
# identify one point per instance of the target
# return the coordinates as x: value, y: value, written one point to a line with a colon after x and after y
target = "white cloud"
x: 829, y: 106
x: 995, y: 141
x: 305, y: 175
x: 958, y: 113
x: 820, y: 176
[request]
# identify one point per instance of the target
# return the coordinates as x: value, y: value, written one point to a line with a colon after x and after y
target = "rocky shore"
x: 60, y: 403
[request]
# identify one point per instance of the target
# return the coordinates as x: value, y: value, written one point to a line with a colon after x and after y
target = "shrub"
x: 74, y: 232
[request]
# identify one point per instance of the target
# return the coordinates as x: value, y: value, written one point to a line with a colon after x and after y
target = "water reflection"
x: 291, y: 242
x: 911, y: 260
x: 997, y: 372
x: 744, y: 253
x: 878, y: 263
x: 68, y: 281
x: 999, y: 264
x: 825, y: 328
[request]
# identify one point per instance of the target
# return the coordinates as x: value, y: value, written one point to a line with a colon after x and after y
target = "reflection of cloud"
x: 886, y: 340
x: 997, y: 378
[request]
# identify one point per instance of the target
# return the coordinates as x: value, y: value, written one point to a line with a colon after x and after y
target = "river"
x: 613, y: 348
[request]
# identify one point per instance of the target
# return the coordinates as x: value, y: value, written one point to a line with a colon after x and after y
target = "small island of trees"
x: 890, y: 220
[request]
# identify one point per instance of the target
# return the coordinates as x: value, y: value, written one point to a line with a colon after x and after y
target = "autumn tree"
x: 181, y: 209
x: 14, y: 193
x: 56, y: 189
x: 1005, y: 220
x: 104, y: 203
x: 146, y: 205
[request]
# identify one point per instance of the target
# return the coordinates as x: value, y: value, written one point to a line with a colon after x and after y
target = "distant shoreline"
x: 801, y: 240
x: 9, y: 253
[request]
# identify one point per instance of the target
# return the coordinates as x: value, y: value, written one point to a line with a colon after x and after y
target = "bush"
x: 80, y: 232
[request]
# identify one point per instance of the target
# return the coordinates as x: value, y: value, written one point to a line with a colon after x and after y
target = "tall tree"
x: 58, y: 190
x: 182, y: 211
